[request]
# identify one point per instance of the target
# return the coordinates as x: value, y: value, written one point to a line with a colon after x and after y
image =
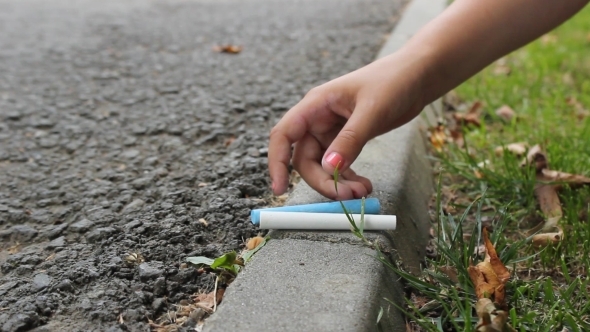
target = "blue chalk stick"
x: 372, y: 206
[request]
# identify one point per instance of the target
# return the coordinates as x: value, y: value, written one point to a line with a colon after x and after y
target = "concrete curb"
x: 328, y: 281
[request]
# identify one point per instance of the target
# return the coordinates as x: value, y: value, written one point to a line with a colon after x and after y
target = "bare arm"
x: 330, y: 126
x: 471, y: 34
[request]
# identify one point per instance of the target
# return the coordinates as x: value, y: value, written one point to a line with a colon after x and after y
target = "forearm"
x: 471, y: 34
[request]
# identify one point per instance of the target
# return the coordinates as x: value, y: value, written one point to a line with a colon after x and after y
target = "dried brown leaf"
x: 490, y: 318
x: 505, y: 112
x: 230, y: 49
x: 482, y: 288
x: 479, y: 250
x: 500, y: 295
x: 254, y: 242
x: 536, y: 158
x: 488, y: 273
x: 545, y: 239
x: 484, y: 309
x: 475, y: 107
x: 208, y: 298
x: 228, y: 141
x: 517, y: 149
x: 573, y: 180
x: 457, y: 137
x: 550, y: 205
x: 438, y: 137
x: 499, y: 268
x: 467, y: 118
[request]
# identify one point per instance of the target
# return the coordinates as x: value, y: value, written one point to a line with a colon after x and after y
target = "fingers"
x: 349, y: 142
x: 289, y: 130
x: 306, y: 159
x: 350, y: 176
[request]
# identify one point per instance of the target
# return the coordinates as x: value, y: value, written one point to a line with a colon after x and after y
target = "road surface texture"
x: 122, y: 131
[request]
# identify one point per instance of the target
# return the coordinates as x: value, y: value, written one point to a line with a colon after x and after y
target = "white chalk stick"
x: 323, y: 221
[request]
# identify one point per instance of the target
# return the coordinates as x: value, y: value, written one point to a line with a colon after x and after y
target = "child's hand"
x: 333, y: 122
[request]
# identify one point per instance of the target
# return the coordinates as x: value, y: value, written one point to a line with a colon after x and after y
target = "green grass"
x: 549, y: 290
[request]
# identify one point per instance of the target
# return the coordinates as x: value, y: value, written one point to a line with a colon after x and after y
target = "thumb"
x: 348, y: 144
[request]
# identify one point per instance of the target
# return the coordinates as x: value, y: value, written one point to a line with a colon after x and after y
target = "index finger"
x: 290, y: 129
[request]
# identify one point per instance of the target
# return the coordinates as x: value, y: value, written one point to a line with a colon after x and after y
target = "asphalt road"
x: 121, y: 130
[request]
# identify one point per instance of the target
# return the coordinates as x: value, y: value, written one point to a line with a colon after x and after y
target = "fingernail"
x: 334, y: 159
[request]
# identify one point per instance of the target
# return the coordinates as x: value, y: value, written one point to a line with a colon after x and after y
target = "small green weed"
x: 357, y: 230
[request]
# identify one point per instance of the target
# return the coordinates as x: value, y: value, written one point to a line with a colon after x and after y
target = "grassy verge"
x: 482, y: 184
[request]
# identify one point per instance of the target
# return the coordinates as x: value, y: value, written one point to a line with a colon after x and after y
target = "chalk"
x: 372, y: 206
x: 323, y: 221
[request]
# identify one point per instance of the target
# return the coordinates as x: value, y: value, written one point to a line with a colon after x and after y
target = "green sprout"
x: 357, y: 230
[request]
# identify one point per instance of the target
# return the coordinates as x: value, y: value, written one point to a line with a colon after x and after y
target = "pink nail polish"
x: 334, y: 159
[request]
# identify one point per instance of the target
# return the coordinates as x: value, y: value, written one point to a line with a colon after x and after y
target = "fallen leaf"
x: 490, y: 318
x: 499, y: 268
x: 490, y: 276
x: 545, y: 239
x: 228, y: 141
x: 488, y: 273
x: 482, y: 288
x: 536, y: 158
x: 573, y: 180
x: 505, y: 112
x: 517, y: 149
x: 457, y: 137
x: 484, y: 308
x: 438, y: 137
x: 231, y: 49
x: 207, y: 301
x: 550, y: 206
x: 471, y: 117
x: 479, y: 250
x: 254, y: 242
x: 500, y: 295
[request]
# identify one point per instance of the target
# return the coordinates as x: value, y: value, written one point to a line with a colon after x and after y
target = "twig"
x: 215, y: 295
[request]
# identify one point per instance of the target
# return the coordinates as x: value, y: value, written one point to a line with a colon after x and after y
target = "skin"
x: 332, y: 123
